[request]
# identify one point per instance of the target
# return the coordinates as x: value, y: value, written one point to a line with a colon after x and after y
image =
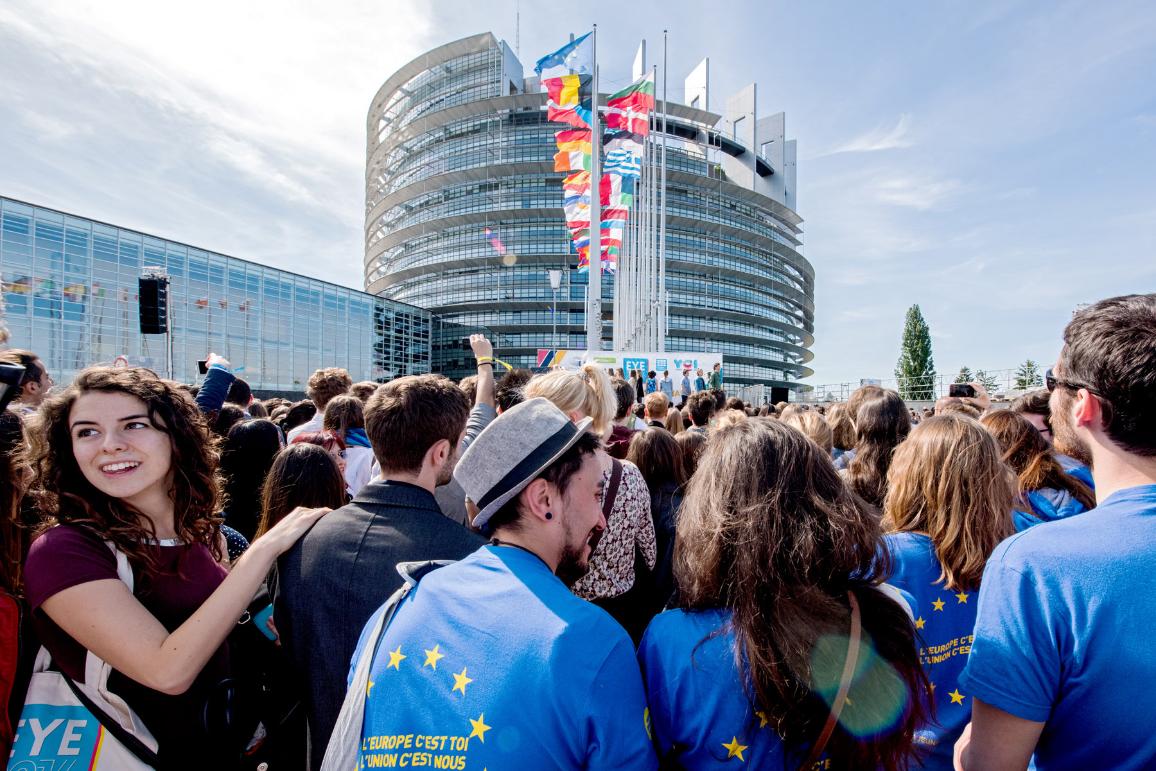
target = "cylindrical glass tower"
x: 458, y: 143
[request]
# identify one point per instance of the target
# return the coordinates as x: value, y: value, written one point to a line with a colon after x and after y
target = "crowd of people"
x: 575, y: 570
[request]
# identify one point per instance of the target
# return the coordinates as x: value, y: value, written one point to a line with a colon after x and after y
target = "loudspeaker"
x: 780, y: 394
x: 154, y: 306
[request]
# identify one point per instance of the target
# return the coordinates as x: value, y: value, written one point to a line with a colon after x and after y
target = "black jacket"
x: 345, y: 568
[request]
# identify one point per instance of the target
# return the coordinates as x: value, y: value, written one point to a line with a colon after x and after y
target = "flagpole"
x: 662, y: 222
x: 594, y: 273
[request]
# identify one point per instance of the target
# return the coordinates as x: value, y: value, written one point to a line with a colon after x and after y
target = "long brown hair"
x: 69, y: 498
x: 769, y: 531
x: 658, y: 456
x: 947, y: 480
x: 1031, y: 457
x: 15, y: 472
x: 880, y: 425
x: 303, y: 474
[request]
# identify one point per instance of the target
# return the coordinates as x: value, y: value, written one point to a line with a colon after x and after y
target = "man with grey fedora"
x: 491, y: 662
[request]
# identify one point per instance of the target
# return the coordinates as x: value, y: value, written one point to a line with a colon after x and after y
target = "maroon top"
x: 68, y: 556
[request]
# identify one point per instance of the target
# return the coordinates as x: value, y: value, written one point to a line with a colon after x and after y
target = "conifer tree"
x: 964, y: 375
x: 1028, y: 376
x: 915, y: 370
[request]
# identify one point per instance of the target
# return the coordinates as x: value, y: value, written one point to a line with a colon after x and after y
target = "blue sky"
x: 991, y: 161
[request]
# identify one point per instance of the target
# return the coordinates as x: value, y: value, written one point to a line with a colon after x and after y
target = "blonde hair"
x: 812, y: 425
x: 656, y: 405
x: 947, y: 480
x: 729, y: 418
x: 587, y: 391
x: 674, y: 423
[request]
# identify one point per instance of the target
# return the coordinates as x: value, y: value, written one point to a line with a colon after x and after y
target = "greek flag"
x: 622, y: 162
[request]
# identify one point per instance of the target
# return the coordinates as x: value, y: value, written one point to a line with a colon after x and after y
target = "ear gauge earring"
x: 549, y: 515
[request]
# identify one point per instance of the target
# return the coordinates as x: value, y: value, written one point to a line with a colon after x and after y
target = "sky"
x: 992, y: 162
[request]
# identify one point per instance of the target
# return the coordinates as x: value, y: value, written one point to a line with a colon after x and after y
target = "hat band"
x: 530, y: 464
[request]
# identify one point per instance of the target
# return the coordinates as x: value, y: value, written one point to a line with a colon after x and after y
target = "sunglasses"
x: 1052, y: 382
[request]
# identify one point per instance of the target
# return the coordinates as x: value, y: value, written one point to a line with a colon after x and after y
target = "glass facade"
x: 70, y: 295
x: 459, y: 142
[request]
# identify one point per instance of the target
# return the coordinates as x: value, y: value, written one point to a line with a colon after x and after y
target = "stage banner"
x: 675, y: 363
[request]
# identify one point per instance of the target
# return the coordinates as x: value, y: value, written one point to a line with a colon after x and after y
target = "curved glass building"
x: 464, y: 217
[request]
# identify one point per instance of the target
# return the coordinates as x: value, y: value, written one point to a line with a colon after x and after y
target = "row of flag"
x: 568, y: 75
x: 46, y: 288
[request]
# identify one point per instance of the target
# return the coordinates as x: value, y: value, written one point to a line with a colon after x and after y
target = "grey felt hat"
x: 512, y: 452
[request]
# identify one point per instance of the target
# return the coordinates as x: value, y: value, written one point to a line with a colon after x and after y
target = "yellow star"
x: 920, y: 623
x: 461, y: 681
x: 480, y: 728
x: 395, y: 659
x: 938, y: 604
x: 432, y: 657
x: 962, y: 597
x: 734, y: 749
x: 369, y: 688
x: 762, y: 719
x: 956, y: 697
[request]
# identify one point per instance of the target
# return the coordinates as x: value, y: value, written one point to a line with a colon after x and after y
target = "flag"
x: 75, y: 292
x: 19, y: 285
x: 569, y: 140
x: 622, y: 162
x: 630, y: 108
x: 201, y: 302
x: 47, y: 288
x: 572, y: 161
x: 97, y: 290
x: 577, y: 56
x: 496, y: 242
x: 224, y: 304
x: 243, y: 307
x: 568, y: 100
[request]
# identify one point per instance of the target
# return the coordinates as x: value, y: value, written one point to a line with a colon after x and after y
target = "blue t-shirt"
x: 1063, y: 634
x: 493, y: 663
x: 651, y: 385
x: 699, y: 711
x: 944, y: 620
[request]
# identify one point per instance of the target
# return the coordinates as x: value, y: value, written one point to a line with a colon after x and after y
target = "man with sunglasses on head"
x: 1062, y: 666
x: 1033, y: 405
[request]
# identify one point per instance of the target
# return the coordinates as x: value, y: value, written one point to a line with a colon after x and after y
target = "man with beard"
x: 338, y: 575
x: 1062, y: 663
x: 492, y: 662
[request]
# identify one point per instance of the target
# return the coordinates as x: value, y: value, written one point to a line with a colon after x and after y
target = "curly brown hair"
x: 69, y: 498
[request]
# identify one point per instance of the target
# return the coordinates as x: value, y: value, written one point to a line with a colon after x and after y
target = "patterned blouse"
x: 612, y: 566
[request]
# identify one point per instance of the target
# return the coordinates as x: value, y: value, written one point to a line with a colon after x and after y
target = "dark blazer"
x: 330, y: 583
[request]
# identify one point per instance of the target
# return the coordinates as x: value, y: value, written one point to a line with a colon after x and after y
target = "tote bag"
x: 58, y: 727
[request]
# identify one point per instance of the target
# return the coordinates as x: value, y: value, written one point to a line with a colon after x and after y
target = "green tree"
x: 1028, y: 376
x: 964, y: 375
x: 989, y: 382
x: 915, y: 370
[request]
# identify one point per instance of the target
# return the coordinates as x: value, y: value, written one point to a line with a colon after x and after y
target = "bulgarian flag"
x: 630, y: 108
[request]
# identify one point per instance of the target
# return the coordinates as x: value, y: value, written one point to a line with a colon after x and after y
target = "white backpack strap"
x: 97, y: 671
x: 345, y: 741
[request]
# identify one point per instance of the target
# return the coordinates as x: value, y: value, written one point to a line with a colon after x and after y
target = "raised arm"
x: 109, y: 621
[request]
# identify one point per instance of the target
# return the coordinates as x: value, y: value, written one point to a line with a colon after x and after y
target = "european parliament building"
x: 458, y: 143
x: 70, y: 296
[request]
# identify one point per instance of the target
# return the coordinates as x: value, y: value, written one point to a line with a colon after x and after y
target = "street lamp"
x: 555, y: 285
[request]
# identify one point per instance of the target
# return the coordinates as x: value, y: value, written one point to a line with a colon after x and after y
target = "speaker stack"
x: 154, y: 305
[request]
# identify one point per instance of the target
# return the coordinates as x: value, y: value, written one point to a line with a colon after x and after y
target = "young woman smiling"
x: 128, y: 466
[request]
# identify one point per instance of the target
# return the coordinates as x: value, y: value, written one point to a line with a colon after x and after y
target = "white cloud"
x: 913, y: 191
x: 879, y: 138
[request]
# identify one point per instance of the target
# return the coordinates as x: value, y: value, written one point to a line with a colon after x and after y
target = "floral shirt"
x: 612, y: 566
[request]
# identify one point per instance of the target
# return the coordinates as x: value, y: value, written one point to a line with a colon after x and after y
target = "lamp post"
x: 555, y: 285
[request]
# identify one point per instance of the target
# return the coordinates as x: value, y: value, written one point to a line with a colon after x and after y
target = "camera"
x: 964, y: 390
